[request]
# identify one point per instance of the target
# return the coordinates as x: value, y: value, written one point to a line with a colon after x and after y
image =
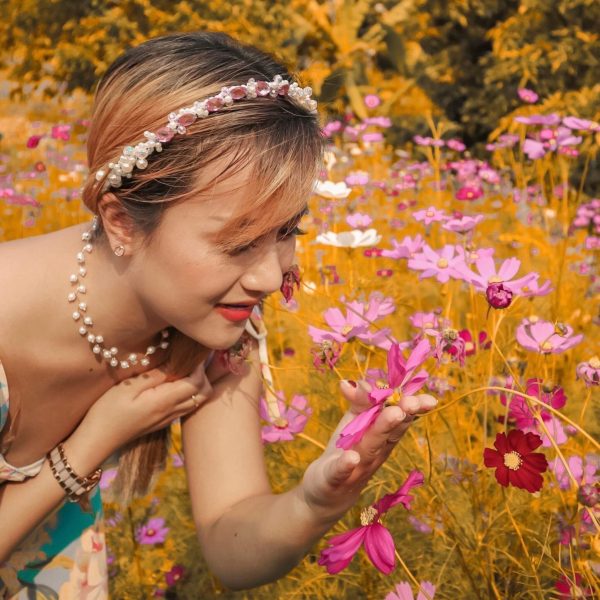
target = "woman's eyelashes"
x: 283, y: 235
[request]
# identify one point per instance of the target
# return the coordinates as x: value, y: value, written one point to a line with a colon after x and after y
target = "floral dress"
x: 65, y: 557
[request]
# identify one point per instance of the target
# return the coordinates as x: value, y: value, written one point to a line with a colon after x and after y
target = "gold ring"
x: 195, y: 400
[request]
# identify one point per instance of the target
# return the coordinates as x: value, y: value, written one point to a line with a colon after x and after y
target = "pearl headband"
x: 135, y: 156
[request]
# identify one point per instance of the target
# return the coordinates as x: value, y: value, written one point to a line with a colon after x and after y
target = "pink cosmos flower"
x: 443, y: 264
x: 520, y: 413
x: 455, y: 144
x: 377, y: 540
x: 488, y: 274
x: 357, y: 178
x: 427, y: 141
x: 402, y: 378
x: 469, y: 345
x: 356, y: 322
x: 403, y: 591
x: 449, y: 341
x: 359, y: 220
x: 589, y: 371
x: 548, y: 140
x: 332, y: 127
x: 292, y: 419
x: 527, y: 95
x: 406, y: 248
x: 585, y: 472
x: 581, y: 124
x: 153, y: 532
x: 424, y: 320
x: 471, y: 255
x: 546, y: 337
x: 61, y: 132
x: 108, y: 476
x: 462, y: 224
x: 430, y: 215
x: 326, y: 354
x: 378, y: 121
x: 552, y: 119
x: 469, y: 192
x: 374, y: 136
x: 533, y: 288
x: 372, y: 101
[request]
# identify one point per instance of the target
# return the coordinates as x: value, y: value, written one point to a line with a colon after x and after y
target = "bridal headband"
x: 135, y: 156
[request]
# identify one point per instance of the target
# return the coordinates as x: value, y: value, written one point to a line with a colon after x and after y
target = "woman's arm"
x: 250, y: 536
x: 135, y: 406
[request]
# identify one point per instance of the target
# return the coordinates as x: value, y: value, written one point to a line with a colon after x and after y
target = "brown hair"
x: 280, y: 141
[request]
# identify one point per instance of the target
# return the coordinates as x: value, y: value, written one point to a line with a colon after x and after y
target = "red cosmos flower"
x: 515, y: 462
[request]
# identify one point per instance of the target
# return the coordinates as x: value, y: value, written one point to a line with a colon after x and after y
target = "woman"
x: 197, y: 192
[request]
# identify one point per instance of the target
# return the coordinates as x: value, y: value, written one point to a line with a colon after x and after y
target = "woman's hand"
x: 333, y: 483
x: 145, y: 403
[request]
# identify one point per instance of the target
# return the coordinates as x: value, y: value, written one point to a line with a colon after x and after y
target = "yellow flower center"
x: 513, y: 460
x: 367, y: 516
x: 346, y: 329
x: 534, y: 319
x: 442, y: 263
x: 469, y: 346
x: 428, y: 325
x: 594, y: 362
x: 394, y: 399
x: 494, y: 280
x: 546, y: 346
x: 280, y: 422
x: 429, y: 213
x: 150, y: 532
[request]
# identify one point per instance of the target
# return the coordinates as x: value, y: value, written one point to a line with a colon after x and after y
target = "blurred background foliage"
x: 461, y: 61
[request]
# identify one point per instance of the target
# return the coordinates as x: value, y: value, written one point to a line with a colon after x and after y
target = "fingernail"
x: 352, y: 383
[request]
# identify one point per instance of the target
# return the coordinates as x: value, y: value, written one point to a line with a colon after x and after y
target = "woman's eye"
x: 242, y: 249
x: 287, y: 233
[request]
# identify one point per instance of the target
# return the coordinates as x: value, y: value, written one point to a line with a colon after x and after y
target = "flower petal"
x: 379, y: 546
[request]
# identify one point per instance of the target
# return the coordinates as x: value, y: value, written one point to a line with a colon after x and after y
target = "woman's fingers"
x: 357, y: 394
x: 375, y: 439
x: 340, y: 467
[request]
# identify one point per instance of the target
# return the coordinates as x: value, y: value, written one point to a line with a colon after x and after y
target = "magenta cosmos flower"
x: 568, y: 588
x: 545, y: 337
x: 402, y: 379
x: 403, y: 591
x: 372, y: 101
x: 520, y: 414
x: 443, y: 264
x: 292, y: 419
x: 153, y: 532
x: 377, y: 540
x: 469, y: 192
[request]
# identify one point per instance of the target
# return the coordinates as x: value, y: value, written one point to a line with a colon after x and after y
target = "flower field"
x: 423, y: 270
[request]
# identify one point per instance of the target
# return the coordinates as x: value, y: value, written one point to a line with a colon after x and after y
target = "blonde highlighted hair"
x: 279, y: 141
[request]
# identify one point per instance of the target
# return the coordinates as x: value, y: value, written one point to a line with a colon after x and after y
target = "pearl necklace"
x: 97, y: 341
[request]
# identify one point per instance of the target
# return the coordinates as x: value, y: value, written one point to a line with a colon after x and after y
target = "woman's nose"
x: 265, y: 275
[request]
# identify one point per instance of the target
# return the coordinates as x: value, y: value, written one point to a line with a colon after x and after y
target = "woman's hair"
x: 279, y: 141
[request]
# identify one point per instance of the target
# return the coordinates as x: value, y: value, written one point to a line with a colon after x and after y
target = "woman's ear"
x: 116, y: 223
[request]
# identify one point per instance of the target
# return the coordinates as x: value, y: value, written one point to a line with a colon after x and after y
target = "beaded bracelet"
x: 76, y: 487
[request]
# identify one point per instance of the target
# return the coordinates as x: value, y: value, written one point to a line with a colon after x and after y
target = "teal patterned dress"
x: 65, y: 557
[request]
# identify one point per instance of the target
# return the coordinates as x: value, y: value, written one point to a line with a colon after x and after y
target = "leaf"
x: 396, y: 50
x: 331, y: 86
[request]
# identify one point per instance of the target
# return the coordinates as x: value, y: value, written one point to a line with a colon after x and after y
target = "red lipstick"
x: 233, y: 312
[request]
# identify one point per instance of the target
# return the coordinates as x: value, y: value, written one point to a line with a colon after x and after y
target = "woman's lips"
x: 233, y: 312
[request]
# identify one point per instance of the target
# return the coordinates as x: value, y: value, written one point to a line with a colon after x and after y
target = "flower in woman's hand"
x: 403, y: 591
x: 291, y: 420
x: 515, y: 462
x: 377, y: 540
x: 153, y: 532
x: 402, y: 379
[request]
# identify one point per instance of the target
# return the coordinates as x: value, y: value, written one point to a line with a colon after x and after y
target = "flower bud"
x: 498, y: 295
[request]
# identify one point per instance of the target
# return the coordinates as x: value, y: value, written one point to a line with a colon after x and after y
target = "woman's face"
x: 183, y: 279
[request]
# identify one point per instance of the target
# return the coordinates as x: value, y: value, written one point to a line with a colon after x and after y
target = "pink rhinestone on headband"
x: 135, y: 156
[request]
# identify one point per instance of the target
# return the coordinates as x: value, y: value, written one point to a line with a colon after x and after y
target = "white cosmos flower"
x: 329, y: 189
x: 349, y: 239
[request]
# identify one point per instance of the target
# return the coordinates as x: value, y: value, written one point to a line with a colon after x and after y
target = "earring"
x: 119, y: 250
